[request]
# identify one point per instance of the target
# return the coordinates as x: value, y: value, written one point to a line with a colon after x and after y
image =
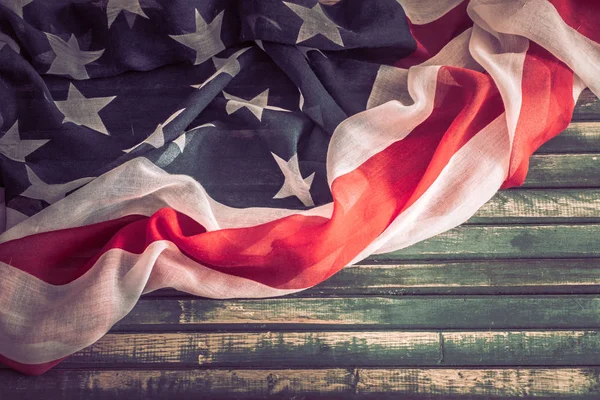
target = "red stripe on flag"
x: 59, y: 257
x: 446, y: 28
x: 546, y: 110
x: 581, y: 15
x: 29, y: 369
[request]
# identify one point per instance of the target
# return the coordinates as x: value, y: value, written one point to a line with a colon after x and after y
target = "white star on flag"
x: 206, y: 40
x: 230, y: 66
x: 181, y: 140
x: 83, y: 111
x: 157, y: 138
x: 70, y: 59
x: 16, y: 5
x: 130, y: 8
x: 256, y: 105
x: 11, y: 145
x: 48, y: 192
x: 314, y: 22
x: 294, y: 184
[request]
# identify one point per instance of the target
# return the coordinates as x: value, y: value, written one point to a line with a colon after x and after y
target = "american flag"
x: 231, y: 148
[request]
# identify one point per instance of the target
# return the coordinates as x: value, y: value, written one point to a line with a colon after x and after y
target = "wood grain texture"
x: 340, y: 349
x: 459, y: 277
x: 563, y: 171
x: 540, y: 206
x: 504, y: 242
x: 331, y: 313
x: 294, y: 384
x: 579, y: 137
x: 481, y: 277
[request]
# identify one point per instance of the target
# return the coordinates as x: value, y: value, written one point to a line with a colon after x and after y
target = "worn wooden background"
x: 507, y: 305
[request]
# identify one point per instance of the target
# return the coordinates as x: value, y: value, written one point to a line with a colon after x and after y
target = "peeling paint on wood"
x: 519, y: 274
x: 579, y: 137
x: 405, y: 312
x: 504, y: 242
x: 563, y: 171
x: 541, y: 206
x: 340, y: 349
x: 291, y: 384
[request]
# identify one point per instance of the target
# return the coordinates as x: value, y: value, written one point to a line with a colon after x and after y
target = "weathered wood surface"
x: 540, y: 206
x: 579, y: 137
x: 294, y: 384
x: 369, y: 312
x: 504, y: 242
x: 340, y: 349
x: 563, y: 170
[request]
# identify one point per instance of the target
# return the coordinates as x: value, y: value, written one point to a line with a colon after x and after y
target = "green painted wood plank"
x: 465, y: 277
x: 504, y: 242
x: 541, y: 206
x: 474, y: 277
x: 563, y: 171
x: 331, y: 313
x: 264, y: 349
x: 502, y: 348
x: 577, y: 138
x: 587, y: 107
x: 337, y: 383
x: 340, y: 349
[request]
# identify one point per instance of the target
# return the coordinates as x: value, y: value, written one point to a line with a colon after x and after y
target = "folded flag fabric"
x: 232, y: 148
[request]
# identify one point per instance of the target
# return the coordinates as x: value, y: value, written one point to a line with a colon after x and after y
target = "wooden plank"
x: 540, y: 206
x: 554, y: 276
x: 475, y: 277
x: 528, y: 348
x: 563, y: 171
x: 504, y: 242
x: 340, y: 349
x: 409, y: 383
x: 587, y: 107
x: 264, y: 349
x: 579, y: 137
x: 335, y: 313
